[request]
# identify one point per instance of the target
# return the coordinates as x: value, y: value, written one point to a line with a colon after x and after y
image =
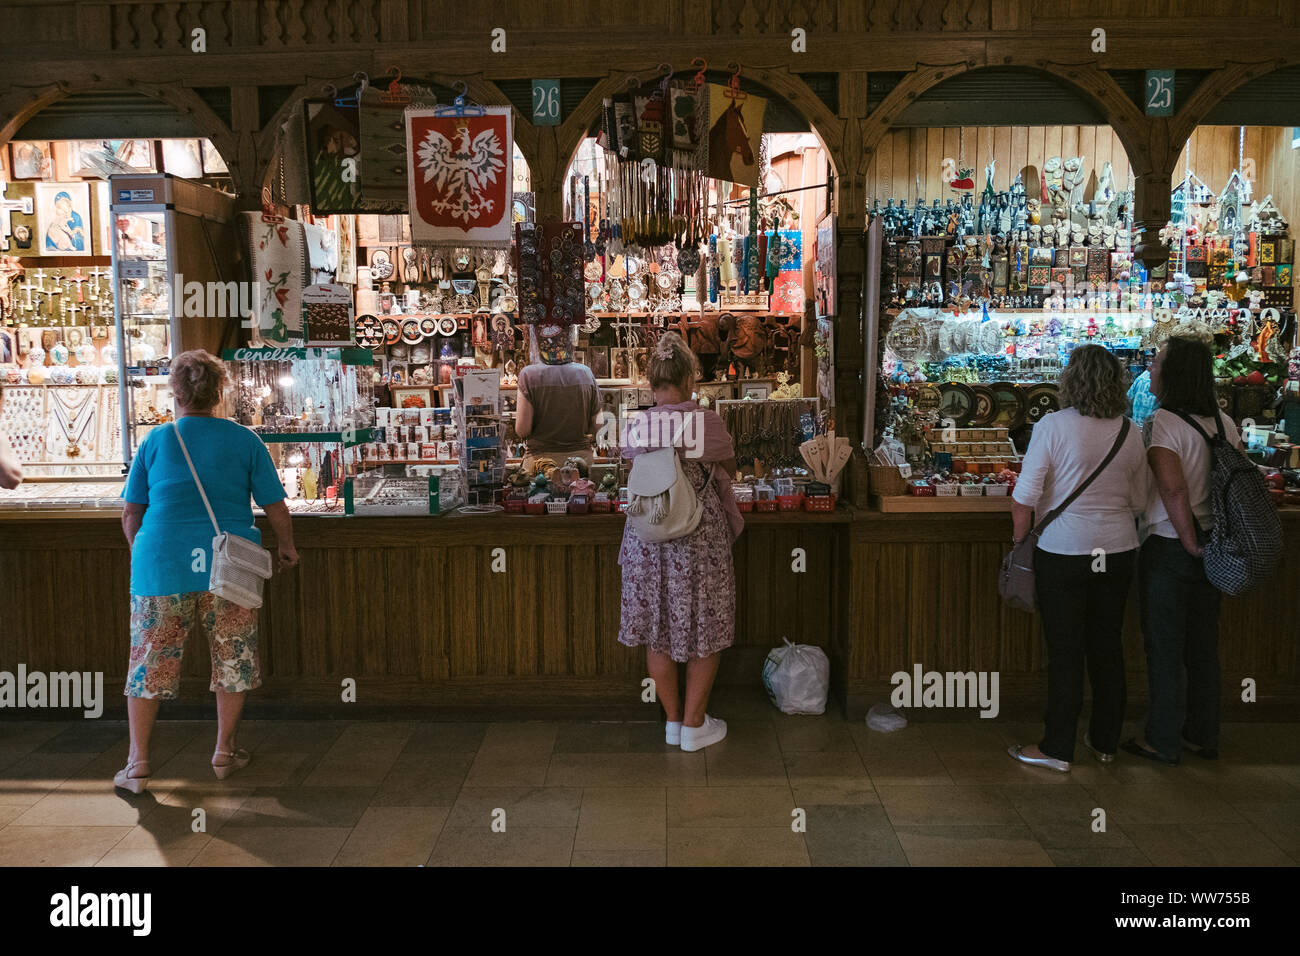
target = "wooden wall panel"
x: 907, y: 154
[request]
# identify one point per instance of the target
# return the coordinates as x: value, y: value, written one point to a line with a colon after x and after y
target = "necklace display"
x: 75, y: 417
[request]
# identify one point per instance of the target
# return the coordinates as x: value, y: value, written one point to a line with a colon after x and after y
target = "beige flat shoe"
x: 238, y: 761
x: 124, y: 781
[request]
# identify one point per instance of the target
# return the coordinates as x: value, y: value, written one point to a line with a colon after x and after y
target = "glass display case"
x: 314, y: 408
x: 171, y: 238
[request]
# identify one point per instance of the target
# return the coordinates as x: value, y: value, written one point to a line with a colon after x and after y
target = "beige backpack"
x: 662, y: 504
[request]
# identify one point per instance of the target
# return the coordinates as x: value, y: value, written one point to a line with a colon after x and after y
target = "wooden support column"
x: 247, y: 167
x: 1151, y: 208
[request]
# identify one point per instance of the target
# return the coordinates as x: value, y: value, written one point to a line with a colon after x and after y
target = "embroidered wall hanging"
x: 333, y: 156
x: 383, y: 176
x: 733, y: 133
x: 460, y: 174
x: 279, y: 266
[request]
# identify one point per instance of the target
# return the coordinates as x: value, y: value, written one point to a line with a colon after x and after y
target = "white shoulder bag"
x: 239, y: 566
x: 662, y: 504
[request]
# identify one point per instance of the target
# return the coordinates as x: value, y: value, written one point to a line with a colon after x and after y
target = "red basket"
x: 745, y: 505
x: 789, y: 502
x: 768, y: 504
x: 535, y: 507
x: 819, y: 503
x: 602, y: 507
x: 515, y: 506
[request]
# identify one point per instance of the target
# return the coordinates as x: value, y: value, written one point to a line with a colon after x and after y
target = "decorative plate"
x: 1040, y: 400
x: 392, y: 331
x: 370, y: 332
x: 1011, y: 405
x: 906, y: 338
x: 688, y: 260
x: 447, y: 325
x: 592, y: 271
x: 428, y: 326
x: 411, y: 331
x: 928, y: 399
x: 988, y: 339
x: 956, y: 401
x: 985, y: 408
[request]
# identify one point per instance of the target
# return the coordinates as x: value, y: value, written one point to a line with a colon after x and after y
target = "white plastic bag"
x: 797, y: 678
x: 884, y: 719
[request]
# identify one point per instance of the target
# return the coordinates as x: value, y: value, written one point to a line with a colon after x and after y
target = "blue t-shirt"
x: 233, y: 465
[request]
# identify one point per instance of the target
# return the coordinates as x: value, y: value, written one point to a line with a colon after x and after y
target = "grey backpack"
x: 1245, y: 544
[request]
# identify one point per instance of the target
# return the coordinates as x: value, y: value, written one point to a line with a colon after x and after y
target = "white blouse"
x: 1065, y: 449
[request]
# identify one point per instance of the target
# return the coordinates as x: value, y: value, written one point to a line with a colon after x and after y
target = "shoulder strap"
x: 176, y: 427
x: 1110, y: 456
x: 1199, y: 430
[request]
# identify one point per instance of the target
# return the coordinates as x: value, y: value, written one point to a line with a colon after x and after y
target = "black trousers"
x: 1083, y: 620
x: 1180, y: 628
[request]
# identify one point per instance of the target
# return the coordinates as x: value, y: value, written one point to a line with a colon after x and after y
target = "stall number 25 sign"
x: 1160, y: 93
x: 546, y: 102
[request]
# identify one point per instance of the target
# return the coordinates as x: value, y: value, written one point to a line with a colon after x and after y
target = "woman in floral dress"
x: 679, y: 596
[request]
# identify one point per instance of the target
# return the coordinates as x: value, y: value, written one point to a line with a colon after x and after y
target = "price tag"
x: 546, y: 102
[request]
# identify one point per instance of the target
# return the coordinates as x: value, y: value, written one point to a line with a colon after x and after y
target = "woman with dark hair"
x: 1083, y: 560
x: 1180, y: 608
x: 169, y: 532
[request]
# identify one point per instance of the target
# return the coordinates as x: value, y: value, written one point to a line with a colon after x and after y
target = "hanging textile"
x: 732, y: 136
x: 279, y: 265
x: 383, y: 176
x: 460, y: 175
x: 333, y: 156
x: 289, y: 185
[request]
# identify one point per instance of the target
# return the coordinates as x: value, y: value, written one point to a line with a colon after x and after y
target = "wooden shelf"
x: 937, y: 505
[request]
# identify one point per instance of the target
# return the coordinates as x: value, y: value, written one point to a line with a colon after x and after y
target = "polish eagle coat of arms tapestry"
x: 460, y: 175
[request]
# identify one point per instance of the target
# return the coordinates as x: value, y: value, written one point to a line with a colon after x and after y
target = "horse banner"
x: 733, y: 124
x: 460, y: 177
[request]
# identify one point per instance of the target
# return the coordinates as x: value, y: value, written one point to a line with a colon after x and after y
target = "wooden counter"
x: 411, y: 609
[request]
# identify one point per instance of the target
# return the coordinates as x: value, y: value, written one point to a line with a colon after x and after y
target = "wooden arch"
x: 20, y: 106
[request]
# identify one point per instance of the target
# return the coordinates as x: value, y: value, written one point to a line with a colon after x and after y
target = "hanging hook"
x: 395, y: 73
x: 633, y: 81
x: 331, y: 89
x: 461, y: 87
x: 668, y: 70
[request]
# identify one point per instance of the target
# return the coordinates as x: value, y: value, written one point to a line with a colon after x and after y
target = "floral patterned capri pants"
x: 159, y: 626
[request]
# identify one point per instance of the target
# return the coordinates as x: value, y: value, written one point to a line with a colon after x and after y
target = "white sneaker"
x: 710, y: 732
x: 673, y: 732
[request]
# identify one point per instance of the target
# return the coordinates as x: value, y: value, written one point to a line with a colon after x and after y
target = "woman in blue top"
x: 170, y: 536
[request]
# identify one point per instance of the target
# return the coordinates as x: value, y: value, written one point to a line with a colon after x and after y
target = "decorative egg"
x: 59, y: 353
x: 36, y: 356
x: 110, y: 376
x: 87, y: 355
x: 87, y: 375
x: 109, y: 354
x: 36, y: 376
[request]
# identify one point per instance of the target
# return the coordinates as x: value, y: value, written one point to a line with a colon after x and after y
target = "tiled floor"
x: 612, y: 794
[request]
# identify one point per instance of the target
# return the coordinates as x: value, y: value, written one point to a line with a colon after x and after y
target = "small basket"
x: 579, y: 504
x: 515, y: 506
x: 972, y: 491
x: 820, y: 502
x: 535, y: 507
x: 602, y: 507
x: 765, y: 504
x: 745, y: 506
x: 886, y: 481
x: 946, y: 489
x: 996, y: 491
x: 557, y: 507
x: 789, y: 502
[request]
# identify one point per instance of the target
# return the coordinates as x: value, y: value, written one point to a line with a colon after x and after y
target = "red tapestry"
x: 460, y: 177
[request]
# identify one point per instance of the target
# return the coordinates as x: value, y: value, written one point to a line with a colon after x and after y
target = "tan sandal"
x: 238, y: 761
x: 124, y: 781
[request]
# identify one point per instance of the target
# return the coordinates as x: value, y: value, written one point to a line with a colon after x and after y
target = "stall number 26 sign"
x: 1160, y: 93
x: 546, y: 102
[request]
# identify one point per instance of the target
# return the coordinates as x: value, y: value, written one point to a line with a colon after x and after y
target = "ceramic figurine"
x: 1062, y: 236
x: 540, y: 485
x: 1049, y: 234
x: 1034, y: 210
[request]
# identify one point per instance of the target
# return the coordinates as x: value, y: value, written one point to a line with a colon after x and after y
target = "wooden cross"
x: 7, y: 207
x: 29, y: 287
x: 80, y: 280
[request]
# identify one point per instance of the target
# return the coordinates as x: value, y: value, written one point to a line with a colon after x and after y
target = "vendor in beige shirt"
x: 558, y: 402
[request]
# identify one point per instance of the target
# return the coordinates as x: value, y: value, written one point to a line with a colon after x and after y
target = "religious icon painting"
x: 63, y: 218
x: 459, y: 177
x: 31, y: 160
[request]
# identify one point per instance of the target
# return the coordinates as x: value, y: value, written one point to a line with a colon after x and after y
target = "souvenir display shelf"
x: 313, y: 407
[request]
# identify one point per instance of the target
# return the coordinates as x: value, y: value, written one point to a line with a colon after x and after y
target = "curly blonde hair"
x: 197, y: 379
x: 1094, y: 383
x: 672, y: 363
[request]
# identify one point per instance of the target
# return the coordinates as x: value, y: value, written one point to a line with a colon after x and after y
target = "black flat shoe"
x: 1133, y: 747
x: 1205, y: 753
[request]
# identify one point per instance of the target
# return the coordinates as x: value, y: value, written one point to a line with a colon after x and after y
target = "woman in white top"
x: 1180, y: 608
x: 1084, y: 560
